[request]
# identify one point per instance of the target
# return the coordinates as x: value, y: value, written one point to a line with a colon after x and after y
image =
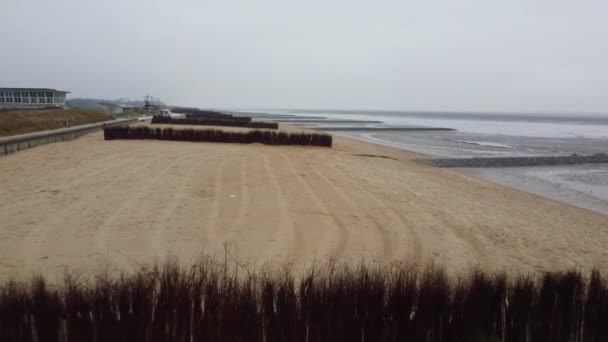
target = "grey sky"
x: 516, y: 55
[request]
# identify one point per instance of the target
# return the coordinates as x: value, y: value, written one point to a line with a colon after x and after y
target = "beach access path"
x: 93, y: 206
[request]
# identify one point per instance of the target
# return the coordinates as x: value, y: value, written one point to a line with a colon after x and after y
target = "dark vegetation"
x: 195, y: 112
x: 211, y: 302
x: 19, y: 121
x: 210, y: 117
x: 236, y: 122
x: 94, y: 103
x: 214, y: 135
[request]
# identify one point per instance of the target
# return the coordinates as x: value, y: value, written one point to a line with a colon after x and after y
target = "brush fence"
x: 209, y: 302
x: 205, y: 114
x: 214, y: 122
x: 214, y: 135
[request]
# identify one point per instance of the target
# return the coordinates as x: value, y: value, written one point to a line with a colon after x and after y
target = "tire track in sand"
x: 37, y: 235
x: 421, y: 206
x: 117, y: 256
x: 285, y: 222
x: 457, y: 231
x: 258, y: 227
x: 343, y: 233
x: 417, y: 254
x: 237, y: 223
x: 386, y: 240
x: 158, y: 241
x: 223, y: 234
x: 207, y: 235
x: 79, y: 180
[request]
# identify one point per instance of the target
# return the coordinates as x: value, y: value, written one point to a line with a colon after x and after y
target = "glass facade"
x: 14, y: 96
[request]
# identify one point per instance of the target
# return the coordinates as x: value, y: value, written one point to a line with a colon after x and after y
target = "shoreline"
x: 496, y: 175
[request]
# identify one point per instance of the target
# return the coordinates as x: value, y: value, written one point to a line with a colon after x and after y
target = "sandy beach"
x: 89, y: 206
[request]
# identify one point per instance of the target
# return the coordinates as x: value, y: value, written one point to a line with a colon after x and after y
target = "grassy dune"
x: 14, y: 122
x: 215, y: 302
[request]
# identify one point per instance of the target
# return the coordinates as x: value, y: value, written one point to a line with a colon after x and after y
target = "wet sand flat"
x: 89, y: 205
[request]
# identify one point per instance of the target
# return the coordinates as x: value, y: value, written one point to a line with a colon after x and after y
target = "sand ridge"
x: 92, y: 205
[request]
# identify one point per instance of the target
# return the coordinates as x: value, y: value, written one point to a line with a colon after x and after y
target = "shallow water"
x: 503, y: 135
x: 584, y: 186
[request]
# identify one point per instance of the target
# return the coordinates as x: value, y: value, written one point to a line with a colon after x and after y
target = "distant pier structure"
x: 32, y: 97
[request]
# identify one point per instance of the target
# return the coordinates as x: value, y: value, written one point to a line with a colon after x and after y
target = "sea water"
x: 503, y: 135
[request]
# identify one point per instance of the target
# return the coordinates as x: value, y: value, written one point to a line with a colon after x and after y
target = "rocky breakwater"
x: 519, y: 161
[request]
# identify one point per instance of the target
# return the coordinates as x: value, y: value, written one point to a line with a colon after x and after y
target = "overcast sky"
x: 515, y: 55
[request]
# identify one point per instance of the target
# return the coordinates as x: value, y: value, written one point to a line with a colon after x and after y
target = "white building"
x: 31, y: 98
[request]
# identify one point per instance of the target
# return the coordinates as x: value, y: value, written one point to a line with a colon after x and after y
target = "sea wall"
x: 20, y: 142
x: 519, y: 161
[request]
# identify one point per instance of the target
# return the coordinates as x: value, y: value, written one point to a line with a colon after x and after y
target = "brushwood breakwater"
x: 218, y: 136
x: 208, y: 302
x: 214, y: 122
x: 518, y: 161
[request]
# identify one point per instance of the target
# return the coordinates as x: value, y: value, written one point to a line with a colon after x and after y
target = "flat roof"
x: 35, y: 89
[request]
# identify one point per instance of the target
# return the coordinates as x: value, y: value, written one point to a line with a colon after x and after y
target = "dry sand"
x: 92, y: 205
